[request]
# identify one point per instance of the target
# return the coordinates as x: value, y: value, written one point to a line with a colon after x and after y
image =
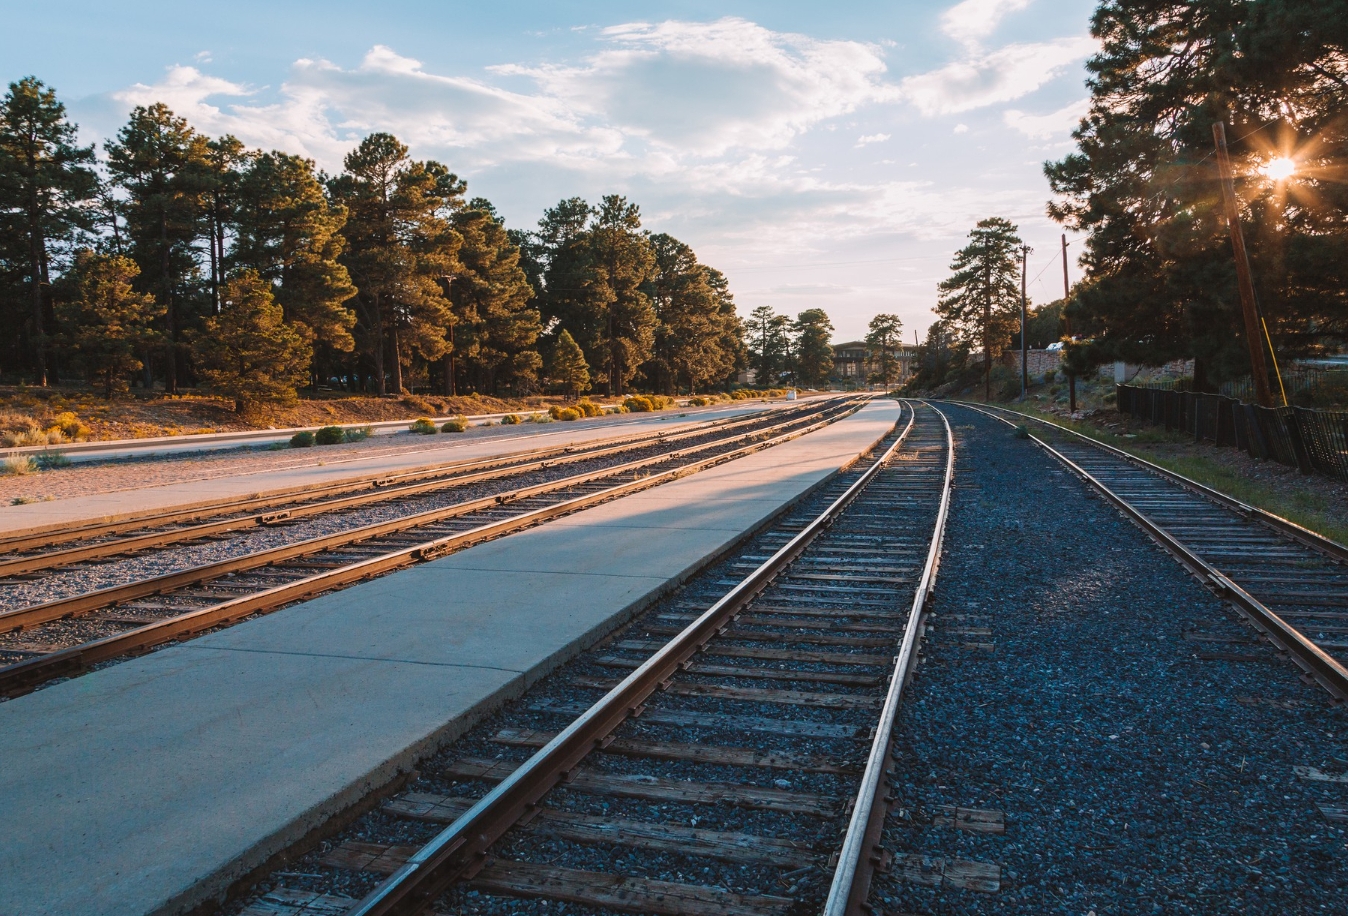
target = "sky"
x: 820, y: 157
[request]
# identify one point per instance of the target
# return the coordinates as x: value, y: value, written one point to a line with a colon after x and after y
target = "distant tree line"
x: 783, y: 351
x: 180, y: 259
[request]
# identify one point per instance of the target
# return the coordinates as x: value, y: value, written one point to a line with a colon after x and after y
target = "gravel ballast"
x: 1134, y: 775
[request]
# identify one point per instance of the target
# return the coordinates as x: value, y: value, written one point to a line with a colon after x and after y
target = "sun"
x: 1279, y: 169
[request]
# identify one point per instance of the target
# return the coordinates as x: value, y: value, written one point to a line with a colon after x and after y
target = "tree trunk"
x: 397, y: 360
x: 171, y: 366
x: 35, y: 253
x: 380, y: 388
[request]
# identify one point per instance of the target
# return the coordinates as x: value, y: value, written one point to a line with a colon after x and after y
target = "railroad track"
x: 1291, y: 584
x: 87, y: 629
x: 45, y: 549
x: 726, y: 755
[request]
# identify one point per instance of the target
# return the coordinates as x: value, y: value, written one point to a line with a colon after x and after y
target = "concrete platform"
x: 150, y: 786
x: 312, y: 469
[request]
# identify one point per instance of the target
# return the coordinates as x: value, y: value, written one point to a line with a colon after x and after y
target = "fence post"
x: 1293, y: 423
x: 1258, y: 442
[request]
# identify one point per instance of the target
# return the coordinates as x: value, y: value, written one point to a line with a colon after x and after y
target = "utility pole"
x: 1247, y: 302
x: 1024, y: 341
x: 1067, y: 327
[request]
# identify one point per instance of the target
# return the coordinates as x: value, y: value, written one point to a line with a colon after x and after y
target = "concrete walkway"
x: 151, y: 785
x: 311, y: 469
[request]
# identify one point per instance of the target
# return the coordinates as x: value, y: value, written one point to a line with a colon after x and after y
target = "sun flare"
x: 1279, y: 169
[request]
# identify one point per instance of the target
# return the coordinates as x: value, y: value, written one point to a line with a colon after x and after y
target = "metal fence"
x: 1314, y: 441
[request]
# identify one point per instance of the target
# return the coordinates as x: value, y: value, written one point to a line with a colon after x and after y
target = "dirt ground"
x: 138, y: 415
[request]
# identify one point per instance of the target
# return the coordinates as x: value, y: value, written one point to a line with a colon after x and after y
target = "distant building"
x: 853, y: 365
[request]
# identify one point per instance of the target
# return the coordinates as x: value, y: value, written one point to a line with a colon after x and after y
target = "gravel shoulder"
x: 1135, y: 776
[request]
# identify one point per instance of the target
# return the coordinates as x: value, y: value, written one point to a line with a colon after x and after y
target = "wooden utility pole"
x: 1258, y: 368
x: 1067, y: 328
x: 1024, y: 341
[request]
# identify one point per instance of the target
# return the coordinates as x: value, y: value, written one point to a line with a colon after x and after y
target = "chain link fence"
x: 1313, y: 441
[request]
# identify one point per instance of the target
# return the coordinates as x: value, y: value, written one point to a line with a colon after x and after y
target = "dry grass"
x: 13, y: 465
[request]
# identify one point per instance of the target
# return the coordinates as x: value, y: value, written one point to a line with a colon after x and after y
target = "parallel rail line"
x: 1254, y: 559
x: 33, y: 552
x: 353, y: 555
x: 814, y: 644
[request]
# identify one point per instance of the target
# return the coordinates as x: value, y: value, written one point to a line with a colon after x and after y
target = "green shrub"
x: 510, y: 419
x: 660, y: 401
x: 1021, y: 432
x: 423, y: 425
x: 46, y: 461
x: 303, y: 439
x: 588, y: 408
x: 568, y: 413
x: 359, y: 434
x: 455, y: 425
x: 617, y: 409
x: 639, y: 404
x: 330, y: 435
x: 555, y: 411
x: 542, y: 417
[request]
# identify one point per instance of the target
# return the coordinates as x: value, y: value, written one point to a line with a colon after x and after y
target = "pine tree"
x: 1160, y: 281
x: 400, y: 249
x: 980, y: 302
x: 496, y: 328
x: 595, y: 283
x: 289, y: 233
x: 567, y: 369
x: 693, y: 338
x: 882, y: 343
x: 162, y: 164
x: 813, y: 352
x: 769, y: 345
x: 248, y: 352
x: 46, y: 186
x: 107, y: 323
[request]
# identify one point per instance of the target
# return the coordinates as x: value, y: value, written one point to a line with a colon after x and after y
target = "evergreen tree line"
x: 186, y: 260
x: 1160, y: 278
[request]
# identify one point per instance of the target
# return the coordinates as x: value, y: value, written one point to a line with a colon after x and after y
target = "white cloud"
x: 868, y: 139
x: 972, y: 20
x: 652, y: 94
x: 961, y: 129
x: 705, y: 88
x: 1047, y: 126
x: 997, y: 76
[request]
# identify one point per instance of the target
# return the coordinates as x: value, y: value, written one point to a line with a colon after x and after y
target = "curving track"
x: 728, y: 754
x: 1289, y: 583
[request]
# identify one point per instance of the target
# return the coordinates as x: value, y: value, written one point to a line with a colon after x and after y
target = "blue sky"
x: 829, y: 157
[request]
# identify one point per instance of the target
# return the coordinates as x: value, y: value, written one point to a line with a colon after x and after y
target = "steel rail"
x: 372, y: 490
x: 23, y: 676
x: 859, y: 856
x: 461, y: 848
x: 1324, y: 668
x: 55, y: 535
x: 1304, y: 536
x: 76, y: 605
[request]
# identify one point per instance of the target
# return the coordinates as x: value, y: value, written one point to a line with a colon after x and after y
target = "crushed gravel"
x: 1135, y: 777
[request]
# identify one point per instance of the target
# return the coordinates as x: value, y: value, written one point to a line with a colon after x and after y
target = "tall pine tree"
x: 47, y: 184
x: 979, y: 302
